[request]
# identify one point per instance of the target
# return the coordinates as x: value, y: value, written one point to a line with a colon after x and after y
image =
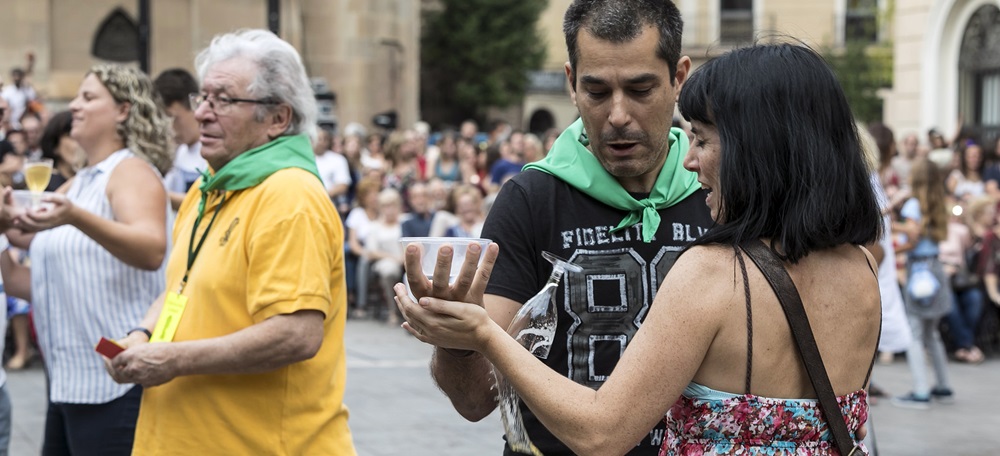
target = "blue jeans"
x: 964, y: 317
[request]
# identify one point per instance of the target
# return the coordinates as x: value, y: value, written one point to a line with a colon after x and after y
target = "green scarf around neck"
x: 253, y: 166
x: 571, y: 161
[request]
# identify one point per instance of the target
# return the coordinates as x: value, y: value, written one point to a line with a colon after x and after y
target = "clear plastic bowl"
x: 25, y: 199
x: 429, y: 247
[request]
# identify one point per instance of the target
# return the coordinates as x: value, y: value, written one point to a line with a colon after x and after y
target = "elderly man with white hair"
x: 247, y: 351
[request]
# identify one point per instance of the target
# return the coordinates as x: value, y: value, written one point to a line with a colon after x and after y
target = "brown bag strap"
x: 776, y: 275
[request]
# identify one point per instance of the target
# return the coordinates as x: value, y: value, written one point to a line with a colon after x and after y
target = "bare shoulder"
x: 135, y: 174
x: 706, y: 273
x: 703, y: 261
x: 850, y: 258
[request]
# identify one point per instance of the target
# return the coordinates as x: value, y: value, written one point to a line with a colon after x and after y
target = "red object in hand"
x: 108, y: 347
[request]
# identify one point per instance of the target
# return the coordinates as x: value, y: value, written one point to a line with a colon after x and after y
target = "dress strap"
x: 878, y: 341
x: 746, y: 291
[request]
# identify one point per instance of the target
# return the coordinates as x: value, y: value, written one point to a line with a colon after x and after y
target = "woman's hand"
x: 59, y: 213
x: 447, y: 324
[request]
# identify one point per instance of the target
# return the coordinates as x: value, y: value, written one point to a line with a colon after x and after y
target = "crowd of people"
x: 941, y: 296
x: 413, y: 183
x: 222, y: 238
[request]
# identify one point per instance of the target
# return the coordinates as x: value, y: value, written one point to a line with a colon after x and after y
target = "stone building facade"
x: 367, y: 51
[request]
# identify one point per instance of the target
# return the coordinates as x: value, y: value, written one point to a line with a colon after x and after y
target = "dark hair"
x: 884, y: 140
x: 963, y: 162
x: 621, y: 21
x: 174, y: 86
x: 5, y: 148
x: 59, y: 125
x: 792, y: 167
x: 497, y: 123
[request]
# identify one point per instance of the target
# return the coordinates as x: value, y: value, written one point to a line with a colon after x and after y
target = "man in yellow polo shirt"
x: 244, y: 352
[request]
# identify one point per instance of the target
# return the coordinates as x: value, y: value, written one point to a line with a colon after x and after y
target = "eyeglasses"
x: 221, y: 104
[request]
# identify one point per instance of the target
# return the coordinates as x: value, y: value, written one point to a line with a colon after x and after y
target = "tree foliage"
x: 475, y: 54
x: 863, y: 69
x: 864, y: 64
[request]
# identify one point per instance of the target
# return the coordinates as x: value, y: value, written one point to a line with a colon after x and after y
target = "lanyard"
x: 192, y: 249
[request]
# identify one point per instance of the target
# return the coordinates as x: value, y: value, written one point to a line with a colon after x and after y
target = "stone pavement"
x: 397, y: 410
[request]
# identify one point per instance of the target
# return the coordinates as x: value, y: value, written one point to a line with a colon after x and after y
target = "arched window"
x: 979, y: 69
x: 117, y: 38
x: 541, y: 121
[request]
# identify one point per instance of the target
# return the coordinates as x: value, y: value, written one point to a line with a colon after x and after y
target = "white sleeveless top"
x: 80, y: 292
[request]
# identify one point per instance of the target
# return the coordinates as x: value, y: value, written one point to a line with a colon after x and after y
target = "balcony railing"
x: 736, y: 27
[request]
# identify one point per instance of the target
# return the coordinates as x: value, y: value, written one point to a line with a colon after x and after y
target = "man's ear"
x: 571, y: 80
x: 683, y: 70
x: 280, y: 119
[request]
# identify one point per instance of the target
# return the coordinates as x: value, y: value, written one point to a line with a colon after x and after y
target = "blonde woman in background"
x: 385, y: 253
x: 97, y: 258
x: 358, y: 224
x: 895, y: 336
x: 468, y: 204
x: 879, y: 143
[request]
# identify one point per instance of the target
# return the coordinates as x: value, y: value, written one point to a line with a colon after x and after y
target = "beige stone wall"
x: 24, y: 27
x: 344, y: 41
x: 813, y: 22
x: 550, y: 27
x: 903, y: 106
x: 369, y: 51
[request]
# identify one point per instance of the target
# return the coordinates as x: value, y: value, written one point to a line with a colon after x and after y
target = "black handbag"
x: 966, y: 278
x: 776, y: 275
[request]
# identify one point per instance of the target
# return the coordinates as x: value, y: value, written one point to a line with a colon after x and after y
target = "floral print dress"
x: 754, y: 425
x: 709, y: 422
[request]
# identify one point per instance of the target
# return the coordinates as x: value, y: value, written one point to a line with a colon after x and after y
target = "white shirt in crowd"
x: 188, y: 164
x: 333, y: 169
x: 18, y: 99
x: 358, y: 221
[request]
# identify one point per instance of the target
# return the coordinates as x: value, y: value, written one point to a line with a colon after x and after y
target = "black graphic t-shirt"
x: 601, y: 308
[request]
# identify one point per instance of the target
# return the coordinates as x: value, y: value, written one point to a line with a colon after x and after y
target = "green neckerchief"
x: 253, y: 166
x: 571, y: 161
